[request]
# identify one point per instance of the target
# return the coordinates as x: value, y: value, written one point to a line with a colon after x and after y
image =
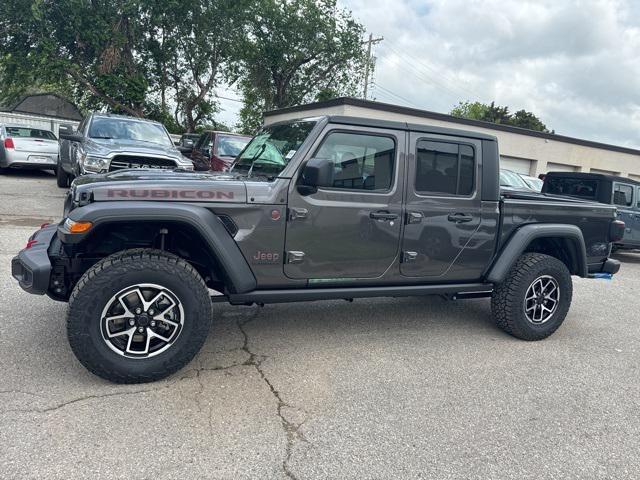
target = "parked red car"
x: 217, y: 150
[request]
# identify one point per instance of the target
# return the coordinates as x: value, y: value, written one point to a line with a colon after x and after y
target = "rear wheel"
x: 534, y: 299
x: 62, y: 177
x: 138, y: 316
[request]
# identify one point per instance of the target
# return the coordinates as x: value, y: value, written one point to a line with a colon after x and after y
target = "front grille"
x: 120, y: 162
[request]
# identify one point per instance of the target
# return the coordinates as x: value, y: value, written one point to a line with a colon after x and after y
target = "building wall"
x: 52, y: 124
x: 518, y: 151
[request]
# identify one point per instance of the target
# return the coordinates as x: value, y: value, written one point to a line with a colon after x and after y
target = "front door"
x: 443, y: 238
x: 623, y: 199
x: 636, y: 225
x: 352, y: 229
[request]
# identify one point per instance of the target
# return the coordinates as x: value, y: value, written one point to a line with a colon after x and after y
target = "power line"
x: 389, y: 92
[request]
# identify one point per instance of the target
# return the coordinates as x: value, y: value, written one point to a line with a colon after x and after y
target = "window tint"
x: 574, y: 187
x: 623, y: 195
x: 638, y: 198
x: 361, y: 162
x: 446, y: 168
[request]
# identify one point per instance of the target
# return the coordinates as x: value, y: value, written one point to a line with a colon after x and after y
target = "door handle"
x: 383, y: 216
x: 459, y: 218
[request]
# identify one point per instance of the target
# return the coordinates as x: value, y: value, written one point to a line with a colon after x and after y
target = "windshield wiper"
x: 255, y: 158
x: 104, y: 138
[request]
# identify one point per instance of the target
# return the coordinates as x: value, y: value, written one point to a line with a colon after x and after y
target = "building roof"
x: 49, y: 105
x: 387, y: 107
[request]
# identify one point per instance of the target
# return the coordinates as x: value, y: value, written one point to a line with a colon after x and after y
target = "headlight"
x: 95, y: 164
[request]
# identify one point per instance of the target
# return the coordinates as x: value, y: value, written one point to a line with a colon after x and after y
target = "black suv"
x: 315, y: 209
x: 622, y: 192
x: 106, y: 143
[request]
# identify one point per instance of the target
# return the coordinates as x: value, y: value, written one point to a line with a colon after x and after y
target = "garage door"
x: 516, y: 165
x: 560, y: 167
x: 603, y: 172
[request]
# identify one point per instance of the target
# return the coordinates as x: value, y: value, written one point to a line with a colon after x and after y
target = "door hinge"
x: 295, y: 256
x: 414, y: 217
x: 297, y: 213
x: 409, y: 257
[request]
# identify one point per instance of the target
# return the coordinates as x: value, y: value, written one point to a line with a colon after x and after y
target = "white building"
x: 42, y: 110
x: 524, y: 151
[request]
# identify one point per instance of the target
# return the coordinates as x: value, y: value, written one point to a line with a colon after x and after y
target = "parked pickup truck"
x: 106, y: 143
x: 315, y: 209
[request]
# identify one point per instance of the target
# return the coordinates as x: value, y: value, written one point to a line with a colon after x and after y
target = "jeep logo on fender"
x: 161, y: 193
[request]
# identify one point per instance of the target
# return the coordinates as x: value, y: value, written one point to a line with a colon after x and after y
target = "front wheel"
x: 533, y: 301
x: 138, y: 316
x: 62, y: 177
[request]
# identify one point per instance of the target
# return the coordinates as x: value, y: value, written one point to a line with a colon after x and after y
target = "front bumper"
x: 31, y: 267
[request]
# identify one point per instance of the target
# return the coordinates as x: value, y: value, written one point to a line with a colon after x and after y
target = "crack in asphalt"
x: 291, y: 429
x: 84, y: 398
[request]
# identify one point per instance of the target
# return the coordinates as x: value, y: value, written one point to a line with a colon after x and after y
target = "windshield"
x: 272, y: 148
x: 124, y: 129
x: 231, y: 146
x: 512, y: 179
x: 30, y: 133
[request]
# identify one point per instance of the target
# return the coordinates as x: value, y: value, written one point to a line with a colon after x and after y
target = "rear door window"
x: 444, y: 168
x: 623, y: 195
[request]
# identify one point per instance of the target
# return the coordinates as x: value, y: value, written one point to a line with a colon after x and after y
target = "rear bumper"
x: 21, y: 159
x: 31, y: 267
x: 609, y: 266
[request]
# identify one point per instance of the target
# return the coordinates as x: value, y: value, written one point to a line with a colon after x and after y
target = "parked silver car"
x: 22, y: 146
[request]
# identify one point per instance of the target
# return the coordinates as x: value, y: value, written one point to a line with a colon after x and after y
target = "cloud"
x: 574, y: 63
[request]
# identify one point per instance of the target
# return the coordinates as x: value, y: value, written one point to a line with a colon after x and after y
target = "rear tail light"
x: 8, y: 143
x: 616, y: 231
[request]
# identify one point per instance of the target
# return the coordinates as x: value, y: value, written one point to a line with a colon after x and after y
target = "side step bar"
x: 310, y: 294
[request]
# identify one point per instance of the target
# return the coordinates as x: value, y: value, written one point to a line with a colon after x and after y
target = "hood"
x: 102, y: 147
x: 159, y: 185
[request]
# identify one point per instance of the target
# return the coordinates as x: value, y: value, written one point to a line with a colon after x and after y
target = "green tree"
x: 497, y: 114
x: 153, y: 58
x: 297, y: 51
x: 85, y: 44
x: 189, y: 46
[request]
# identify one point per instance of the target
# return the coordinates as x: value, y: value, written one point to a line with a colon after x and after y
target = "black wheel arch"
x: 209, y: 230
x: 564, y: 242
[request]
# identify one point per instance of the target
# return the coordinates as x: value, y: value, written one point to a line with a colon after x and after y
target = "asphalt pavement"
x: 374, y: 389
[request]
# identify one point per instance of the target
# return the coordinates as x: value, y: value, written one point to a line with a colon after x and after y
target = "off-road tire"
x: 62, y: 177
x: 507, y: 303
x: 121, y: 270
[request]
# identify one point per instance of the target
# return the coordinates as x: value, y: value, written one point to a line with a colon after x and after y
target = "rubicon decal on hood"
x: 230, y: 193
x: 158, y: 193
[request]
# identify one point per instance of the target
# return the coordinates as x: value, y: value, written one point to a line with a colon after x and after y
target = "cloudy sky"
x: 574, y: 63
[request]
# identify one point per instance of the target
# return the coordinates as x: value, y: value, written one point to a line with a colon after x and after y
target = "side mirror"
x: 72, y: 137
x: 177, y: 143
x: 318, y: 172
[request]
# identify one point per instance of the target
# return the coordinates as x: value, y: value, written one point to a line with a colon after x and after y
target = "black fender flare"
x: 222, y: 246
x: 523, y: 236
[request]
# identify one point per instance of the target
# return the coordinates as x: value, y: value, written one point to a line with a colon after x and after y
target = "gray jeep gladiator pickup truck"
x: 314, y: 209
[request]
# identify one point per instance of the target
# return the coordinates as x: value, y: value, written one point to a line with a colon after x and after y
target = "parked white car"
x: 22, y: 146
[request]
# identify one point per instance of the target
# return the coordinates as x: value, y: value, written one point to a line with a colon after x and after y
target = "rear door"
x: 443, y: 238
x: 624, y: 199
x: 351, y: 230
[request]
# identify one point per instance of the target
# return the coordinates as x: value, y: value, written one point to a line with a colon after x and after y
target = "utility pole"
x: 370, y: 42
